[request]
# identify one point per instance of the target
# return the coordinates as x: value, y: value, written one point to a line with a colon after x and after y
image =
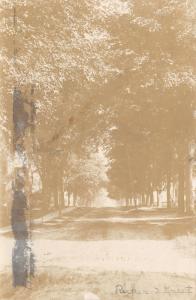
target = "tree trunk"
x: 22, y: 256
x: 56, y: 203
x: 143, y: 199
x: 146, y: 200
x: 68, y: 198
x: 60, y: 202
x: 188, y: 186
x: 45, y: 199
x: 74, y: 199
x: 181, y: 179
x: 127, y: 202
x: 157, y: 198
x: 151, y: 198
x: 168, y: 190
x: 135, y: 201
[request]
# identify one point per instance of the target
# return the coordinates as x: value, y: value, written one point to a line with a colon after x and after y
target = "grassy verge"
x: 64, y: 284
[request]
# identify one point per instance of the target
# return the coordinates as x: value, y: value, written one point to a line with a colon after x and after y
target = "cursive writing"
x: 121, y: 289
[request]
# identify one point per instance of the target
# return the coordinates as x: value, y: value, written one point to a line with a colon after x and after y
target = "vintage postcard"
x: 98, y: 150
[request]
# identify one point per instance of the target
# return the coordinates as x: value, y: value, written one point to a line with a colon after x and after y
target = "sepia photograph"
x: 98, y: 149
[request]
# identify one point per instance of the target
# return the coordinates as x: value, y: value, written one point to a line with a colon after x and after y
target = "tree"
x: 156, y: 85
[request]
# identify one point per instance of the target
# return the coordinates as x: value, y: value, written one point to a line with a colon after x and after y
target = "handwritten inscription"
x: 121, y: 289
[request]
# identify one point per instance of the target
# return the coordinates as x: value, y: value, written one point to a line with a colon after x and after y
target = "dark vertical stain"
x: 22, y: 256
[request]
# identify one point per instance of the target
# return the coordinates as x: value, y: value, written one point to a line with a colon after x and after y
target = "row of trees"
x: 153, y: 125
x: 154, y: 156
x: 79, y: 76
x: 51, y: 70
x: 68, y: 179
x: 116, y: 75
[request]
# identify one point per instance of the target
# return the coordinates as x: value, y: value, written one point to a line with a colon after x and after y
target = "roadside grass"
x: 65, y: 284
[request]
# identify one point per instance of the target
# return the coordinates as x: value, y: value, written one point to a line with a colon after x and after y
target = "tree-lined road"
x: 118, y: 223
x: 111, y: 241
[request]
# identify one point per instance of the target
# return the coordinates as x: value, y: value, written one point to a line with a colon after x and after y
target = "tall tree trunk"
x: 74, y: 199
x: 143, y: 199
x: 56, y: 200
x: 60, y: 202
x: 151, y: 198
x: 146, y: 199
x: 22, y: 256
x: 181, y: 186
x: 127, y: 201
x: 45, y: 198
x: 157, y: 198
x: 169, y: 189
x: 187, y: 188
x: 68, y: 198
x: 135, y: 201
x: 188, y: 184
x: 63, y: 197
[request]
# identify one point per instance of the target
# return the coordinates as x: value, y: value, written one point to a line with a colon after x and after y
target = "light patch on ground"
x: 130, y: 256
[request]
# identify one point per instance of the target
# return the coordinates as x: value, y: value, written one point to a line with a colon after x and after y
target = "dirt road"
x: 93, y: 250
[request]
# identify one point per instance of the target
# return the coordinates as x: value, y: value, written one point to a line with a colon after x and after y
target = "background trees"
x: 113, y: 74
x: 157, y: 87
